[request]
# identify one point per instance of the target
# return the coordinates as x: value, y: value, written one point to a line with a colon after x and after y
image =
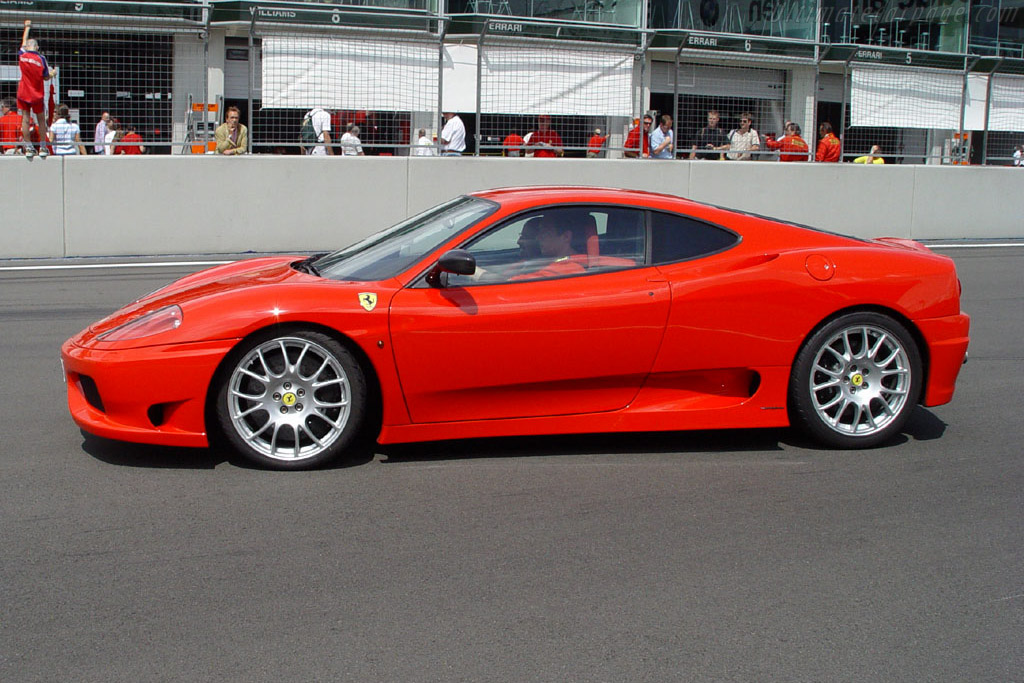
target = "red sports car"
x: 532, y: 311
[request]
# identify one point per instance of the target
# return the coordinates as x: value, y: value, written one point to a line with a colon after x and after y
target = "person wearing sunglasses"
x: 744, y: 140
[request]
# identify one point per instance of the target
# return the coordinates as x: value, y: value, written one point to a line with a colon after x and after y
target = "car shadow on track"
x: 923, y: 425
x: 715, y: 441
x: 125, y: 454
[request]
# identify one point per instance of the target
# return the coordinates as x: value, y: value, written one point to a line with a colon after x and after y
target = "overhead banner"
x: 346, y: 73
x: 531, y: 80
x: 899, y: 98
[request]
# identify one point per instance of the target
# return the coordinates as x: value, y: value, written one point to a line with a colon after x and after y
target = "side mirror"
x: 457, y: 261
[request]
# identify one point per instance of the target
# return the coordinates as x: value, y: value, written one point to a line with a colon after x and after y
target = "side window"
x: 556, y: 242
x: 677, y: 238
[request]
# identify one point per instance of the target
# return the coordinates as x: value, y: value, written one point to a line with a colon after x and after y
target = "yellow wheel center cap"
x: 857, y: 379
x: 288, y: 399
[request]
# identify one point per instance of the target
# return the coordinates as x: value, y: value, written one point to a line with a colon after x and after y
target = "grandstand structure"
x: 929, y: 81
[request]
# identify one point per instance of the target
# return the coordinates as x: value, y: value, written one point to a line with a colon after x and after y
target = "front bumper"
x: 153, y: 394
x: 947, y: 340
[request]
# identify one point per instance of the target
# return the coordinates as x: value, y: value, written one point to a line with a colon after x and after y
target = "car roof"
x: 515, y: 199
x: 571, y: 193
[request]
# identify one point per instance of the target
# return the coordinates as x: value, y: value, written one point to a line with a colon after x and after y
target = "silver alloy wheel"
x: 289, y: 398
x: 860, y: 380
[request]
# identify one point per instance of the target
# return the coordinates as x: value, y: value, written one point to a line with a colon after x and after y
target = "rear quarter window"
x: 678, y: 238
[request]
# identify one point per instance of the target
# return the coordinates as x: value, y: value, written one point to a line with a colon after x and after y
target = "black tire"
x: 291, y: 400
x: 856, y: 381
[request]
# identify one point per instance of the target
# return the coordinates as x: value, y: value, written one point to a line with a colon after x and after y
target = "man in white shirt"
x: 424, y: 146
x: 100, y: 138
x: 351, y: 145
x: 453, y: 135
x: 743, y: 140
x: 321, y: 121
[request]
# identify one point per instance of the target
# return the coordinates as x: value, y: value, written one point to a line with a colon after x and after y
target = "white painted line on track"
x: 991, y: 245
x: 83, y: 266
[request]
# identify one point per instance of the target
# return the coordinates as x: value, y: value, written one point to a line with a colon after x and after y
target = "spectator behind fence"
x: 828, y: 146
x: 424, y: 146
x: 100, y: 138
x: 663, y: 139
x: 595, y: 147
x: 546, y: 141
x: 34, y: 72
x: 10, y: 126
x: 453, y: 135
x: 65, y: 135
x: 320, y: 123
x: 512, y: 145
x: 351, y: 145
x: 711, y: 141
x: 231, y: 136
x: 872, y: 158
x: 638, y: 144
x: 131, y: 143
x: 1018, y: 156
x: 743, y: 140
x: 113, y: 137
x: 791, y: 146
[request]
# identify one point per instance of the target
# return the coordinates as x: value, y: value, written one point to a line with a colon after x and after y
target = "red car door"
x: 580, y: 344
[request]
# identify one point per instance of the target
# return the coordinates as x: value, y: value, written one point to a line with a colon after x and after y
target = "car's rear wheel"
x: 856, y: 381
x: 291, y: 401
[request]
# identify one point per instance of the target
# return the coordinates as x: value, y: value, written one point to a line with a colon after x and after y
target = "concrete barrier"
x: 110, y: 206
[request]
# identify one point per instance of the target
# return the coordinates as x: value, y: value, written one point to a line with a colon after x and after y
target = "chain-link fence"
x: 168, y: 73
x: 138, y: 64
x: 903, y: 114
x: 371, y: 89
x: 733, y: 112
x: 1004, y: 141
x: 547, y: 98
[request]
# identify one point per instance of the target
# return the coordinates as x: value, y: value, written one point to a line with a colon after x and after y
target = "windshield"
x: 391, y: 251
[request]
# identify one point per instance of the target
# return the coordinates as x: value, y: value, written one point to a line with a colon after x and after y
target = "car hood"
x: 205, y: 284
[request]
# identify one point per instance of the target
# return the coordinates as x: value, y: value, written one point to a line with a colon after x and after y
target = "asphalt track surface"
x: 708, y: 556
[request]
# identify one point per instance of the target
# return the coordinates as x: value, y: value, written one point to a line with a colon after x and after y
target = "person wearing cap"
x: 546, y: 141
x: 453, y: 135
x: 595, y: 147
x: 638, y: 142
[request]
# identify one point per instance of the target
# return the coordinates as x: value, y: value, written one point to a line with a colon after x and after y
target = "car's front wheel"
x: 291, y: 401
x: 856, y: 381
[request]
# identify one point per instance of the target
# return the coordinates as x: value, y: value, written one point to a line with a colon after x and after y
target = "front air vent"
x: 91, y: 392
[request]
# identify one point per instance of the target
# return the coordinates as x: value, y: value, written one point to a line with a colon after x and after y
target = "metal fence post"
x: 988, y: 109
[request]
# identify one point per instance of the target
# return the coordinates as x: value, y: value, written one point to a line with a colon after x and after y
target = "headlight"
x: 162, y: 320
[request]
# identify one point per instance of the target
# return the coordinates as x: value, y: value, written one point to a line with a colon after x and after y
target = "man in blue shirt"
x: 663, y: 139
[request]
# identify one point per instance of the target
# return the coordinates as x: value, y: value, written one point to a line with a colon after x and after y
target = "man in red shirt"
x: 131, y: 143
x: 634, y: 148
x: 828, y: 147
x: 513, y: 144
x: 545, y: 140
x: 10, y: 125
x: 792, y: 147
x: 34, y: 72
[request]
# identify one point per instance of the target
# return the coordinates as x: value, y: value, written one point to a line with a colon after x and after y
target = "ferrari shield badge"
x: 368, y: 300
